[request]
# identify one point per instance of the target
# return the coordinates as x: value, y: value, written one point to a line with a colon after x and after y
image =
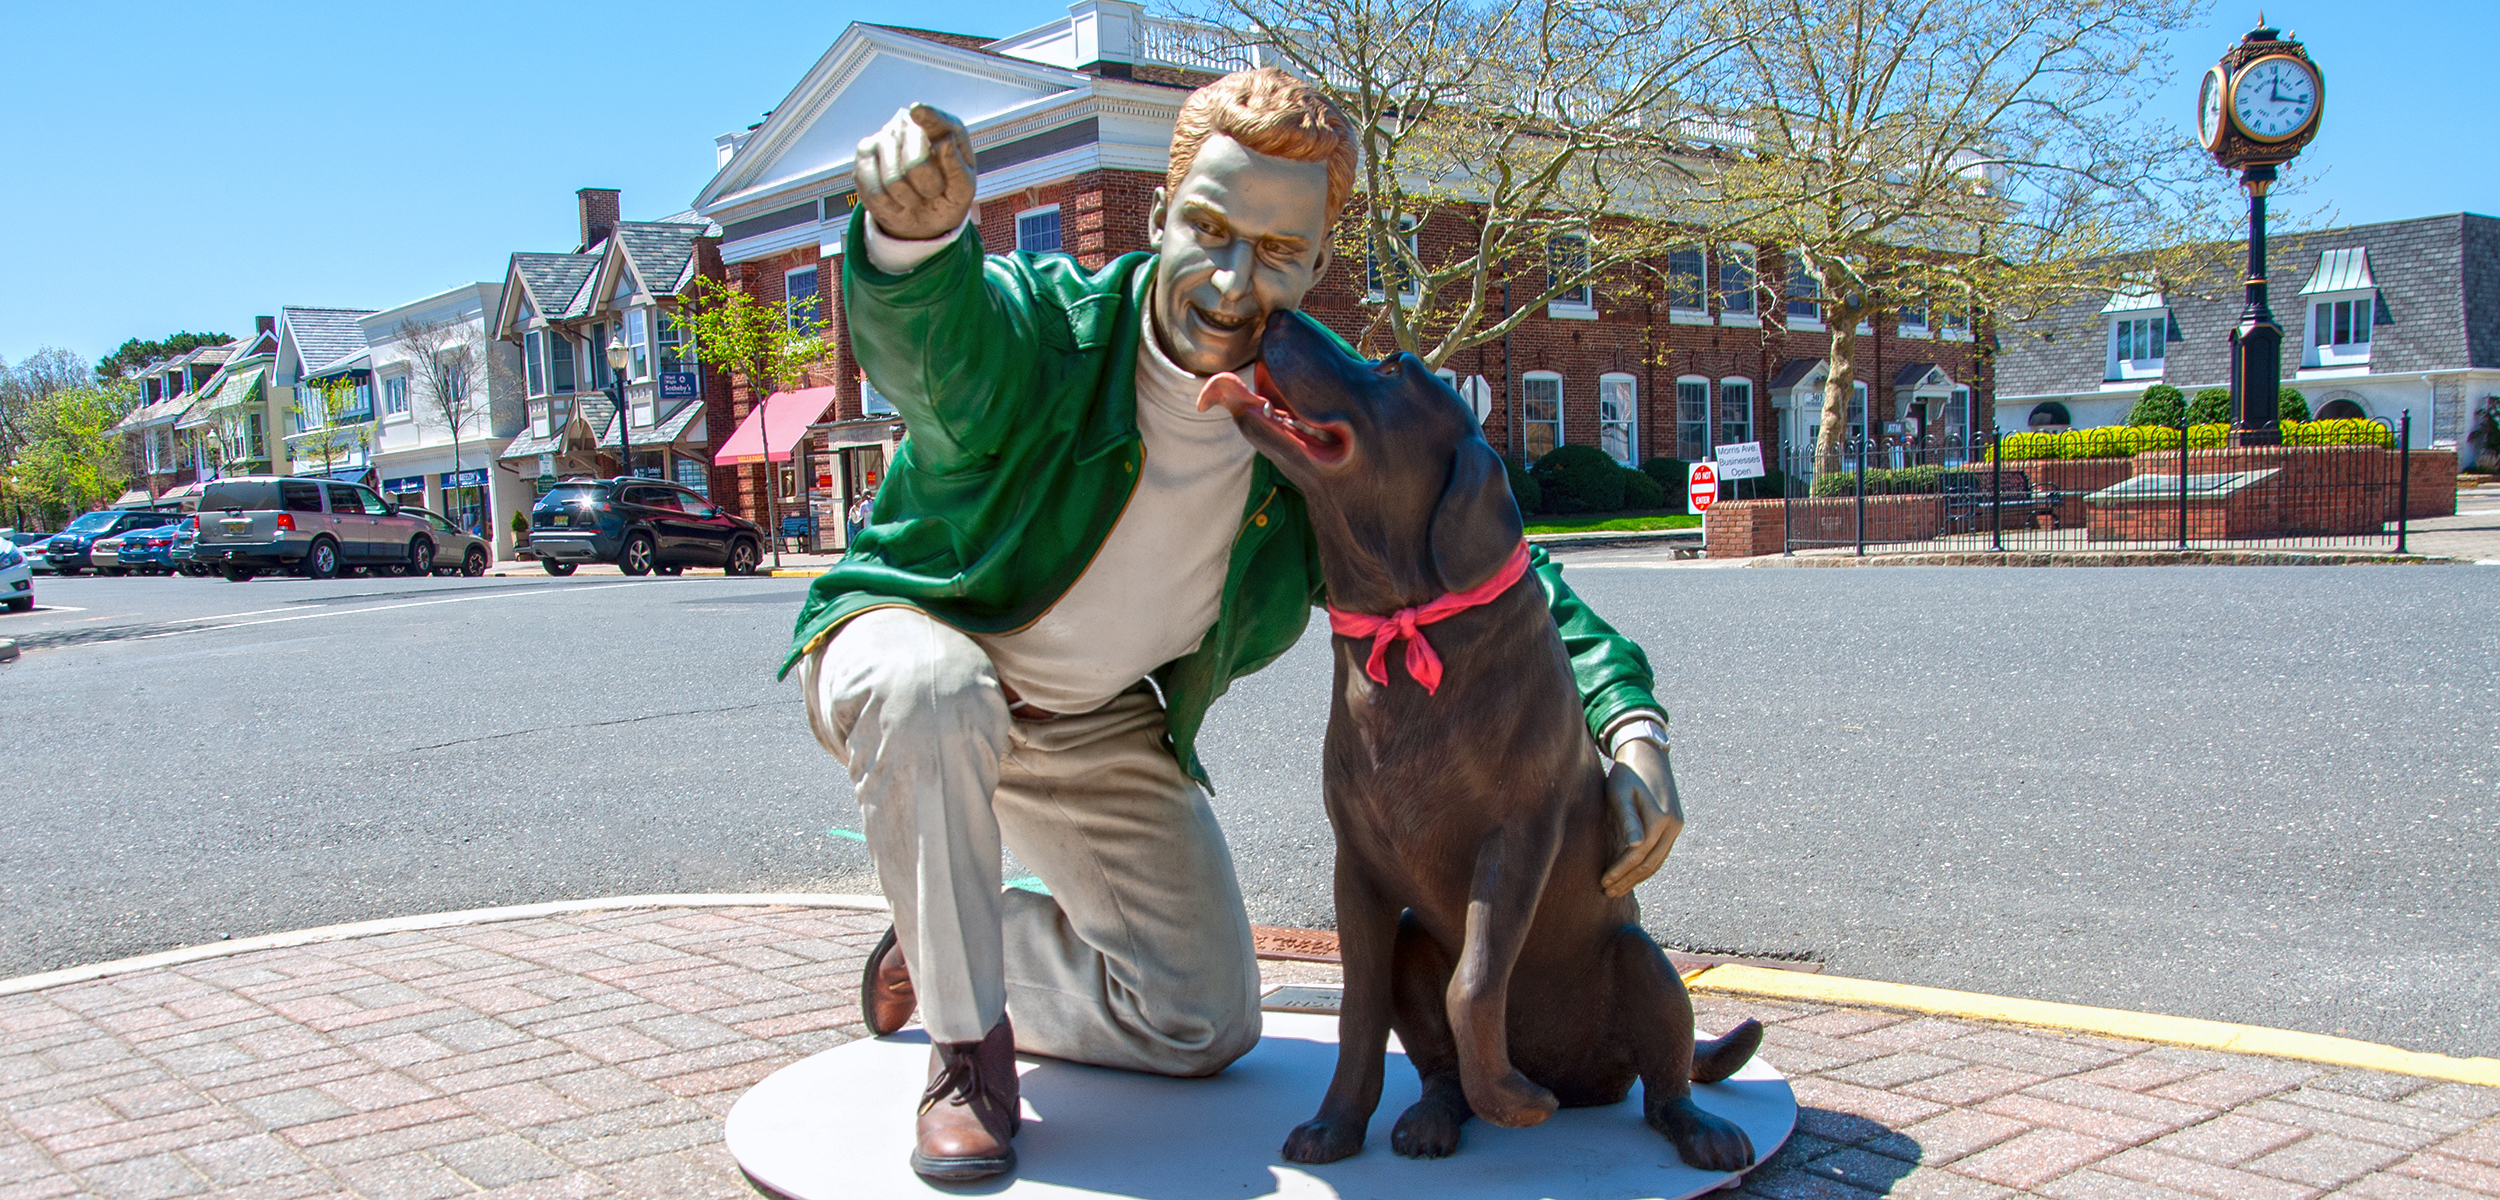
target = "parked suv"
x: 69, y: 550
x: 259, y: 523
x: 641, y: 525
x: 17, y: 578
x: 456, y: 552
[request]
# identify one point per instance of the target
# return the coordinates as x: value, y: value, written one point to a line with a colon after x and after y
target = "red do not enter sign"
x: 1703, y: 488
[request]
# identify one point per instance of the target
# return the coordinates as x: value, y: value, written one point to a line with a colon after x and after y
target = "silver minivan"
x: 258, y: 523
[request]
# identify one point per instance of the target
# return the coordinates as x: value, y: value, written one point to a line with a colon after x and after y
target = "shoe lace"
x: 960, y: 1076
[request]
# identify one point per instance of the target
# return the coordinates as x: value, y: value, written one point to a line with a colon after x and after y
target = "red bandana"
x: 1408, y: 623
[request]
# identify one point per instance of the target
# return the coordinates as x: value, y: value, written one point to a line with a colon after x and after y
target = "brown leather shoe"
x: 886, y: 1000
x: 970, y: 1114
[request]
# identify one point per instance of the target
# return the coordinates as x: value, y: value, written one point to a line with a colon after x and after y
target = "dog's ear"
x: 1477, y: 523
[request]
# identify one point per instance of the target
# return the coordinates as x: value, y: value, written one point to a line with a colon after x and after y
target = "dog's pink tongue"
x: 1226, y: 391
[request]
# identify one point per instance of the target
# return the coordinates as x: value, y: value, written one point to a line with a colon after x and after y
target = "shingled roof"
x: 324, y: 335
x: 662, y: 252
x: 555, y: 282
x: 2438, y: 280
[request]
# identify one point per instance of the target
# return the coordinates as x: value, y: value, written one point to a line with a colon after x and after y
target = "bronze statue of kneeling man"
x: 1469, y: 804
x: 1062, y: 524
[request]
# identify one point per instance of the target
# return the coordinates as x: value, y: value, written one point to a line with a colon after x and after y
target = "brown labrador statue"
x: 1470, y: 816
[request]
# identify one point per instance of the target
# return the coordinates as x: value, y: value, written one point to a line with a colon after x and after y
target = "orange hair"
x: 1273, y: 113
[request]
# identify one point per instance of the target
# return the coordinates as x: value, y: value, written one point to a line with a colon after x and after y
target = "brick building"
x: 1071, y: 124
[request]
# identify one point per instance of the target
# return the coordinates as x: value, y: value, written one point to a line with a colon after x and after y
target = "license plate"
x: 561, y: 520
x: 244, y: 526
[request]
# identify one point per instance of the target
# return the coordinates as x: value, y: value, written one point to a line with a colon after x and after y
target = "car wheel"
x: 556, y: 568
x: 475, y: 564
x: 322, y: 561
x: 420, y: 558
x: 240, y: 574
x: 742, y: 557
x: 22, y: 604
x: 637, y: 557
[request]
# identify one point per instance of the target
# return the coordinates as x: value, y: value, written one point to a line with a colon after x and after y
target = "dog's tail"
x: 1722, y: 1056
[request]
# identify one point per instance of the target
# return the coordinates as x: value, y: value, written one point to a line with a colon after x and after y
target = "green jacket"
x: 1016, y: 379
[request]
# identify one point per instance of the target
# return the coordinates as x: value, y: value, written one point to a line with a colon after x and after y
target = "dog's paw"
x: 1513, y: 1102
x: 1702, y: 1140
x: 1320, y: 1140
x: 1428, y: 1129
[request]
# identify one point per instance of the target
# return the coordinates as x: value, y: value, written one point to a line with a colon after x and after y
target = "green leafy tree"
x: 768, y: 346
x: 73, y: 459
x: 322, y: 408
x: 2163, y: 407
x: 139, y: 353
x: 2290, y: 405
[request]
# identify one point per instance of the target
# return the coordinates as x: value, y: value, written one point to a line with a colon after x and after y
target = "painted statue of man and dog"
x: 1118, y: 492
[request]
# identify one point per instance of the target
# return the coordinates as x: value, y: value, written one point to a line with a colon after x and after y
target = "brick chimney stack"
x: 264, y: 325
x: 599, y: 215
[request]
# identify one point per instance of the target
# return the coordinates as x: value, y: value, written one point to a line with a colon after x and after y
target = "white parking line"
x: 349, y: 612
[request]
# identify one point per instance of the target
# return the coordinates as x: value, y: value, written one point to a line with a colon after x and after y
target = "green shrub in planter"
x: 2163, y: 407
x: 2212, y: 407
x: 1524, y: 489
x: 2290, y: 405
x: 1640, y: 491
x: 1579, y: 479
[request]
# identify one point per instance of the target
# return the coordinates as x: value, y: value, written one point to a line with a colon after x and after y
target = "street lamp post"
x: 2259, y: 106
x: 618, y: 356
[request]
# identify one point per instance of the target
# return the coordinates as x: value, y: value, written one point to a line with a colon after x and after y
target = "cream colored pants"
x: 1140, y: 956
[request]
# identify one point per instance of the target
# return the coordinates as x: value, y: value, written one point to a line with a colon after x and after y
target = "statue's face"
x: 1245, y: 234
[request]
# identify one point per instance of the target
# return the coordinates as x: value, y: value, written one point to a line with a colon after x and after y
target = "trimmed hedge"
x: 1640, y: 492
x: 2163, y: 406
x: 2120, y: 441
x: 2212, y: 407
x: 1579, y: 479
x: 1671, y: 475
x: 2290, y: 405
x: 1880, y: 481
x: 1524, y: 489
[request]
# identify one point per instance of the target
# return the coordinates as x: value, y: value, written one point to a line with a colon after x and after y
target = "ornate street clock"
x: 2257, y: 109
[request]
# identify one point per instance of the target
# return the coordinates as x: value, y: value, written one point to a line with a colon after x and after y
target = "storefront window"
x: 695, y: 475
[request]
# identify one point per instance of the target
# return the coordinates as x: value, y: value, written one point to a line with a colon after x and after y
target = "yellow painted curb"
x: 1742, y: 980
x: 789, y: 574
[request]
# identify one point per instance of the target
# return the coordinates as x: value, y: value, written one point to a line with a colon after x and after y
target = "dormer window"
x: 2139, y: 336
x: 2342, y: 301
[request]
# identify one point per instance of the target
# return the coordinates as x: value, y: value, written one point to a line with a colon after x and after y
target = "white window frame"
x: 1790, y: 318
x: 1626, y: 424
x: 1692, y: 417
x: 1739, y: 256
x: 1911, y: 321
x: 2363, y: 302
x: 816, y: 292
x: 1719, y: 409
x: 1556, y: 423
x: 1682, y: 314
x: 534, y: 363
x: 555, y: 338
x: 2136, y: 328
x: 1411, y: 291
x: 873, y: 403
x: 1576, y: 304
x: 1956, y: 325
x: 637, y: 345
x: 395, y: 399
x: 1059, y: 226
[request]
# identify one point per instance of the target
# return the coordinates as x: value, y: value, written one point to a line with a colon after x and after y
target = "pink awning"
x: 776, y: 424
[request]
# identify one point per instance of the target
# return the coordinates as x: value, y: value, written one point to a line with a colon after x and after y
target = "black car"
x: 68, y: 551
x: 641, y: 525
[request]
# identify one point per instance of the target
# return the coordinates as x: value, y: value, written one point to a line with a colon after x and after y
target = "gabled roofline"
x: 816, y: 89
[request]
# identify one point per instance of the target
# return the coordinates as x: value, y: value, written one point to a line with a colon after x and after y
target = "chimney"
x: 265, y: 325
x: 599, y: 208
x: 1110, y: 36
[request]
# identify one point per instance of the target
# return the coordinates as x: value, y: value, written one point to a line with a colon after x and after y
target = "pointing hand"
x: 916, y: 176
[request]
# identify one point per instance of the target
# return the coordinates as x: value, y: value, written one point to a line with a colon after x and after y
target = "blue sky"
x: 170, y: 170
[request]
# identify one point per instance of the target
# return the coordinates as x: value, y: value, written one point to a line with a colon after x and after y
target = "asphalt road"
x: 2250, y: 794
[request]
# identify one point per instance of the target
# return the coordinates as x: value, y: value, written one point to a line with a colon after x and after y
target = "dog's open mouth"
x: 1324, y: 442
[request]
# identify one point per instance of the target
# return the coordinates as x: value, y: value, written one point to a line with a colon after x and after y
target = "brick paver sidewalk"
x: 595, y: 1054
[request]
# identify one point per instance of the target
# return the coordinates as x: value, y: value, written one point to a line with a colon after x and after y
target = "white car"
x: 17, y: 579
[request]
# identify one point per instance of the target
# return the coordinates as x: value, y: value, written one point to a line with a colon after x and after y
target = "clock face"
x: 2209, y: 108
x: 2274, y: 98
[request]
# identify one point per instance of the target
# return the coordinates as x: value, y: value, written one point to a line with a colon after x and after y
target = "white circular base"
x: 839, y: 1124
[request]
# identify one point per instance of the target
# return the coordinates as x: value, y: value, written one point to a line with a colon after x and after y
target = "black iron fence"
x: 2127, y: 488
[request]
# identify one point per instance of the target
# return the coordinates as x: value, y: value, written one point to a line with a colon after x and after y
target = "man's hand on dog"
x: 1642, y: 789
x: 916, y: 174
